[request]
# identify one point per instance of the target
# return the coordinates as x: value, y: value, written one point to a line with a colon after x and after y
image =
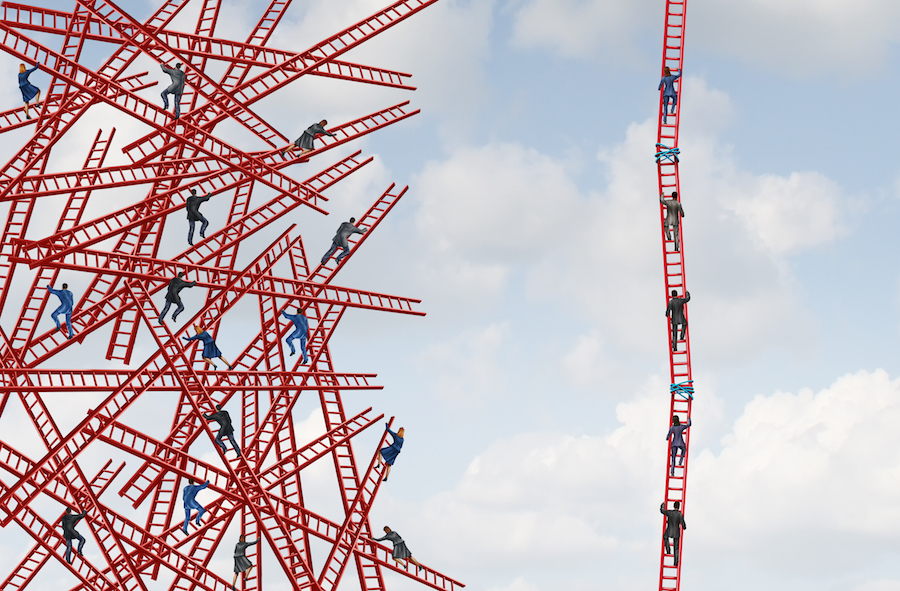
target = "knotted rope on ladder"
x: 684, y: 389
x: 667, y: 153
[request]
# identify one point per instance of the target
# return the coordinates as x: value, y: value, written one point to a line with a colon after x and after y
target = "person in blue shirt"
x: 301, y: 325
x: 209, y: 346
x: 189, y: 495
x: 676, y: 434
x: 66, y: 303
x: 29, y: 90
x: 390, y: 453
x: 668, y: 82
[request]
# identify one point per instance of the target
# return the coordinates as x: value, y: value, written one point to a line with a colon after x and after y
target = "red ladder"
x: 673, y: 264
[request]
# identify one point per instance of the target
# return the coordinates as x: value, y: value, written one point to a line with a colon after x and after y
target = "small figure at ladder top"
x: 210, y: 351
x: 668, y: 81
x: 189, y: 496
x: 675, y: 312
x: 29, y: 90
x: 172, y: 297
x: 674, y: 213
x: 176, y: 88
x: 676, y: 434
x: 301, y: 331
x: 241, y: 564
x: 306, y: 141
x: 68, y: 522
x: 674, y: 524
x: 193, y: 214
x: 391, y: 452
x: 66, y: 303
x: 225, y: 429
x: 400, y: 552
x: 340, y: 240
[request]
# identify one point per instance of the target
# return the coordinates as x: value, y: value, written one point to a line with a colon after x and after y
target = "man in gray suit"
x: 674, y: 524
x: 675, y: 312
x: 176, y: 88
x: 340, y: 240
x: 674, y: 213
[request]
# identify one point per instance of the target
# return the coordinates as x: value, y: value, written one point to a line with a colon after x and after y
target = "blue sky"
x: 534, y: 393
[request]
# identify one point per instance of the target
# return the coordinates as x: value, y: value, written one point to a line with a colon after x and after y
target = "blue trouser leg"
x: 187, y: 518
x: 165, y: 97
x: 200, y: 513
x: 164, y: 311
x: 330, y: 252
x: 69, y: 324
x: 177, y: 105
x: 345, y: 252
x: 234, y: 444
x: 177, y: 310
x: 303, y: 349
x: 56, y: 313
x: 203, y: 226
x: 219, y: 442
x: 69, y: 550
x: 674, y: 102
x: 297, y: 334
x: 191, y: 231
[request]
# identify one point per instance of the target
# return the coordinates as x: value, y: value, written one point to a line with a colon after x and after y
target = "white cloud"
x: 817, y: 469
x: 804, y: 37
x: 467, y: 365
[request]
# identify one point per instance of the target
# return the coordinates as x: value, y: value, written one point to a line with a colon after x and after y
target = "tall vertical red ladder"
x: 673, y: 264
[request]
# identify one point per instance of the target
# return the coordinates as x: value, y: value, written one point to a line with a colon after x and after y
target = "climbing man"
x: 29, y: 90
x: 301, y: 331
x: 189, y: 495
x: 176, y: 88
x: 674, y: 213
x: 668, y: 81
x: 194, y: 215
x: 225, y: 429
x: 400, y: 550
x: 241, y: 564
x: 340, y: 240
x: 307, y: 138
x: 210, y: 350
x: 676, y: 434
x: 390, y: 453
x: 66, y: 303
x: 172, y: 297
x: 674, y: 524
x: 68, y: 522
x: 675, y: 312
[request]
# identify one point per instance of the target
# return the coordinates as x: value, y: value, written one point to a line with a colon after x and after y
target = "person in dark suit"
x: 225, y: 428
x: 176, y: 88
x: 675, y: 312
x: 674, y: 213
x: 340, y: 240
x: 68, y: 522
x: 674, y: 524
x: 400, y: 552
x: 241, y: 564
x: 172, y: 297
x: 193, y: 214
x: 306, y: 140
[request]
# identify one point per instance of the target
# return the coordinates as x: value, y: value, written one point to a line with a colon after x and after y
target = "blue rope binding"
x: 684, y: 389
x: 665, y: 152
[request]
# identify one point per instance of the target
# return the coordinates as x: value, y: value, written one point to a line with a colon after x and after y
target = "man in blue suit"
x: 66, y: 303
x: 301, y: 326
x: 189, y: 494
